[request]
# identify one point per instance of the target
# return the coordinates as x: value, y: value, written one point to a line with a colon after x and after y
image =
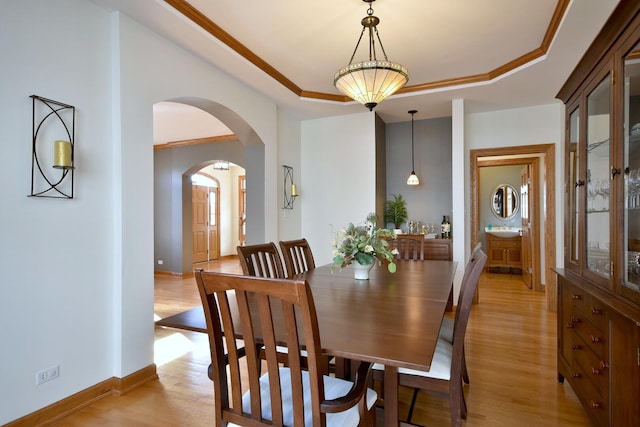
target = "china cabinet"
x: 599, y: 286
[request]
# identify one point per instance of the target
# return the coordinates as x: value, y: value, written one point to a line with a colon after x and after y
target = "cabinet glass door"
x: 574, y: 183
x: 631, y: 242
x: 598, y: 179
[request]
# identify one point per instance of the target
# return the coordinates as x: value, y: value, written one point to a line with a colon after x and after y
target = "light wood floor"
x: 511, y: 355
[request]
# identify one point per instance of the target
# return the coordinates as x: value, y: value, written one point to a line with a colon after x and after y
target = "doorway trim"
x: 548, y: 151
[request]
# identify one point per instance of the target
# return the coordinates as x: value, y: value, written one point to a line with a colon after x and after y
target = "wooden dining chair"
x: 264, y: 311
x: 297, y: 256
x: 448, y: 324
x: 445, y: 374
x: 410, y: 247
x: 262, y: 260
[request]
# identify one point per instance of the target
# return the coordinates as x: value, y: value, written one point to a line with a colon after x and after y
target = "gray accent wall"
x: 172, y: 197
x: 430, y: 200
x: 489, y: 178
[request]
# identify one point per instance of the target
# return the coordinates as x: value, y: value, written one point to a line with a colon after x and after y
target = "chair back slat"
x: 261, y: 260
x: 264, y: 312
x: 410, y: 247
x: 297, y: 256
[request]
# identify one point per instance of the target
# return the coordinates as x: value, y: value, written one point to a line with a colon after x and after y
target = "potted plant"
x: 395, y: 212
x: 361, y: 245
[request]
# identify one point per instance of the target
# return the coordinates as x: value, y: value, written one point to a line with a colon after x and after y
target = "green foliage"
x: 395, y: 211
x: 364, y: 243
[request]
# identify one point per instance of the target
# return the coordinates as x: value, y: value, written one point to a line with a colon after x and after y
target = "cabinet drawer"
x: 440, y: 251
x: 591, y: 335
x: 595, y: 368
x: 590, y: 307
x: 505, y: 244
x: 592, y: 398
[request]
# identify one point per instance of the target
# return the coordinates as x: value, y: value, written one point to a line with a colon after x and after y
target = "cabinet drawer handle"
x: 576, y: 347
x: 595, y: 405
x: 595, y: 339
x: 596, y: 311
x: 595, y: 371
x: 603, y: 364
x: 575, y: 319
x: 569, y: 325
x: 576, y: 297
x: 576, y: 375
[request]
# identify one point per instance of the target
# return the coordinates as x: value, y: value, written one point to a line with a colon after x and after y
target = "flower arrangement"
x: 364, y: 244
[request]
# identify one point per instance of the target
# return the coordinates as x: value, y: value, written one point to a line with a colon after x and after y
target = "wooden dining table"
x: 392, y: 318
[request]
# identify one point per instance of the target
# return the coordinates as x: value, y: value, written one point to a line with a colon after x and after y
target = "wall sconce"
x: 290, y: 189
x: 44, y: 183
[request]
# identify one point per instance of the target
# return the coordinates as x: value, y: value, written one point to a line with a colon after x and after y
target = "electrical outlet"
x: 47, y: 374
x: 160, y: 262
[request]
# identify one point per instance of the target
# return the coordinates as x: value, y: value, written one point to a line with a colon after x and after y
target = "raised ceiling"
x: 494, y: 54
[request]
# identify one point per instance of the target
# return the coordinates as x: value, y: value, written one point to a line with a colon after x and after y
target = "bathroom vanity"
x: 504, y: 252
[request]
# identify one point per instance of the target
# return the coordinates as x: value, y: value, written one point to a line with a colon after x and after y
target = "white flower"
x: 368, y: 249
x: 335, y: 253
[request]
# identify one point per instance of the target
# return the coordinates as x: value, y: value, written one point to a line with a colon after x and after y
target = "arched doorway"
x: 173, y: 167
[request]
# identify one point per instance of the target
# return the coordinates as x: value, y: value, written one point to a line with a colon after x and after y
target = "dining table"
x: 392, y: 318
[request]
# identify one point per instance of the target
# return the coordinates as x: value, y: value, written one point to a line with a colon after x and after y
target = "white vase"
x: 361, y: 271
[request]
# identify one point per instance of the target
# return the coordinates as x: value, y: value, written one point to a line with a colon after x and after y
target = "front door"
x: 200, y: 211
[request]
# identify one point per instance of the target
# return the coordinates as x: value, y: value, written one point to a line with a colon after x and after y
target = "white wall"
x: 518, y: 127
x: 56, y: 256
x: 338, y: 177
x: 289, y: 148
x: 77, y: 275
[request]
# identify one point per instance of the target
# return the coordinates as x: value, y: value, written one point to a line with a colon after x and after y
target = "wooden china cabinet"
x: 599, y: 287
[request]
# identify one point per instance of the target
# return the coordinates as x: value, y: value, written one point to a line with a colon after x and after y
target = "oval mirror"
x: 505, y: 201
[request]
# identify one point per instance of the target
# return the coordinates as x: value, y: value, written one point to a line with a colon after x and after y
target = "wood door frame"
x: 525, y: 155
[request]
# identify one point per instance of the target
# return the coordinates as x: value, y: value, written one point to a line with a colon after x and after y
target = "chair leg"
x: 413, y: 404
x: 464, y: 404
x: 455, y: 405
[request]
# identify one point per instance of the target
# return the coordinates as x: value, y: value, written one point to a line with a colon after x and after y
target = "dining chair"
x: 262, y: 260
x: 410, y: 247
x: 266, y: 311
x: 445, y: 374
x: 448, y: 324
x: 297, y: 256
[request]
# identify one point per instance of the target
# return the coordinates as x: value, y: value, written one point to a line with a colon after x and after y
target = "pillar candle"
x: 62, y: 156
x: 294, y: 190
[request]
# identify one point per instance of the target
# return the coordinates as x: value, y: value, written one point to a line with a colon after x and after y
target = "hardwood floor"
x: 511, y: 356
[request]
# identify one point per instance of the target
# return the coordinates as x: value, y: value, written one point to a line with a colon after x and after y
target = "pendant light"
x: 370, y: 81
x: 413, y: 178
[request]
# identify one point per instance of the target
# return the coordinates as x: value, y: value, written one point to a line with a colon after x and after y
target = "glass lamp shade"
x: 370, y: 82
x: 413, y: 179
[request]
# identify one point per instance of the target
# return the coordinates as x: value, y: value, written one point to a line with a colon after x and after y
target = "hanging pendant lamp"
x: 413, y: 178
x: 370, y: 82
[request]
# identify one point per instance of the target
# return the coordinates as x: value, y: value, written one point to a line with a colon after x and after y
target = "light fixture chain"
x: 381, y: 46
x: 357, y: 44
x: 413, y: 166
x: 372, y: 44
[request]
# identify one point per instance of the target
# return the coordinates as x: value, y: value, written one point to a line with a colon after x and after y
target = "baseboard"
x: 67, y: 406
x: 172, y: 274
x: 188, y: 274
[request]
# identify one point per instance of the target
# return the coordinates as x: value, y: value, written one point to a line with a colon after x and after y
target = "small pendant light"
x: 413, y: 178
